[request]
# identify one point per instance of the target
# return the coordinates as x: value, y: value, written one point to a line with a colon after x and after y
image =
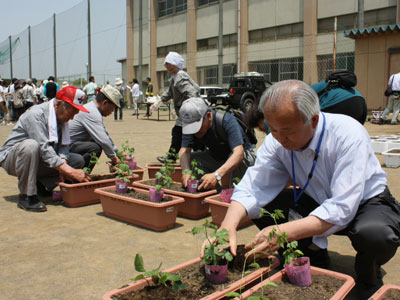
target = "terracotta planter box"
x: 218, y: 211
x: 153, y: 168
x: 155, y: 216
x: 381, y: 293
x: 80, y: 194
x: 195, y: 207
x: 340, y: 294
x: 245, y: 281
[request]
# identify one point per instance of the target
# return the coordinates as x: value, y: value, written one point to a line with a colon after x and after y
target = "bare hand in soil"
x: 79, y: 175
x: 208, y: 181
x: 115, y: 160
x: 260, y: 245
x: 232, y: 242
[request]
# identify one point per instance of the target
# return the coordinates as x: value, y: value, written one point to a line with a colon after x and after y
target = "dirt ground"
x: 78, y: 253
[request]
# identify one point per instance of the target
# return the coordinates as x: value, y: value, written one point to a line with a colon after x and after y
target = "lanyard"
x: 297, y: 197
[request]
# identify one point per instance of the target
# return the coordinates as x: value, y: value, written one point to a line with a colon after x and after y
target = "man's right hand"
x: 79, y: 175
x: 232, y: 241
x: 115, y: 160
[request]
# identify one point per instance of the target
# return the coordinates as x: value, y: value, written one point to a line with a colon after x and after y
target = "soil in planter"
x: 322, y: 287
x: 97, y: 177
x: 194, y: 279
x: 140, y: 196
x: 392, y: 294
x: 174, y: 186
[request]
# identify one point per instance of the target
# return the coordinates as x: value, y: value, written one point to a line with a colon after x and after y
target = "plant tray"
x: 218, y: 211
x: 381, y: 293
x: 340, y: 294
x: 153, y: 168
x: 246, y: 281
x: 195, y: 207
x: 391, y: 158
x: 80, y: 194
x: 155, y: 216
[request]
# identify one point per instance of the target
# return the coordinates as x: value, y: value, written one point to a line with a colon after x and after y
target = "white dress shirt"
x: 135, y: 90
x: 347, y: 173
x: 396, y: 82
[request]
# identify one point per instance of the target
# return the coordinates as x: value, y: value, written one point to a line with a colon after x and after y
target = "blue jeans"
x: 121, y: 104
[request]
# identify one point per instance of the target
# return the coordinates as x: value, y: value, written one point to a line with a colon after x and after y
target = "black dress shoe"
x: 41, y: 190
x: 31, y: 203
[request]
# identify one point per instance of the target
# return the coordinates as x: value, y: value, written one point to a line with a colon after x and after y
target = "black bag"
x: 250, y: 135
x: 344, y: 79
x: 389, y: 91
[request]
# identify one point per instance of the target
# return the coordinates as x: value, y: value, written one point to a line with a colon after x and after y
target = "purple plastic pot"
x: 216, y: 274
x: 132, y: 164
x: 155, y: 196
x: 299, y: 272
x: 192, y: 185
x: 226, y: 195
x: 56, y: 196
x: 121, y: 186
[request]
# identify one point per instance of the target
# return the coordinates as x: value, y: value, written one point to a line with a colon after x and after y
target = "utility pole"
x: 360, y: 16
x: 89, y: 43
x: 220, y: 43
x: 334, y: 45
x: 140, y: 75
x: 11, y: 66
x: 55, y: 47
x: 30, y: 51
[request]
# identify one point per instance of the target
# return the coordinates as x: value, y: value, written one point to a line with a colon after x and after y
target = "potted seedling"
x: 128, y: 154
x: 226, y: 194
x: 163, y: 180
x: 215, y: 258
x: 195, y: 175
x: 123, y: 173
x: 94, y: 160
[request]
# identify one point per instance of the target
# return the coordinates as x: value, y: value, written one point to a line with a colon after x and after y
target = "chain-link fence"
x: 108, y: 44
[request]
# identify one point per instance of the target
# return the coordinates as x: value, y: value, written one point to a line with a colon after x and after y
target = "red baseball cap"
x: 73, y: 96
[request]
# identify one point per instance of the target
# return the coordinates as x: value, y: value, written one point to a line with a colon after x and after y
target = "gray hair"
x: 300, y: 93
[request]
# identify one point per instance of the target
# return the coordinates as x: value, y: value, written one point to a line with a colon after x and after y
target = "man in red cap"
x: 37, y: 149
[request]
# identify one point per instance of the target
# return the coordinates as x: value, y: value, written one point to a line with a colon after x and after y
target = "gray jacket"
x: 33, y: 124
x: 90, y: 127
x: 181, y: 88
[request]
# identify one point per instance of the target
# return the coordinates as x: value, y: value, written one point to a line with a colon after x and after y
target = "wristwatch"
x: 217, y: 176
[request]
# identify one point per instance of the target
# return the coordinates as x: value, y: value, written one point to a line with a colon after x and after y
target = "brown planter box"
x: 155, y: 216
x: 381, y: 293
x: 340, y: 294
x: 194, y: 207
x: 80, y: 194
x: 153, y: 168
x: 245, y: 281
x: 218, y: 211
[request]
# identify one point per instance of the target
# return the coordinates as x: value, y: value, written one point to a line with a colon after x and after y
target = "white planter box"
x: 391, y: 158
x: 380, y: 145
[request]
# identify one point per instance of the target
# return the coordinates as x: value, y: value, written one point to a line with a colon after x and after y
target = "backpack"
x: 341, y: 79
x: 249, y: 136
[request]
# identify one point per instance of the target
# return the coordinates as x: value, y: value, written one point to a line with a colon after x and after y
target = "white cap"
x: 192, y: 112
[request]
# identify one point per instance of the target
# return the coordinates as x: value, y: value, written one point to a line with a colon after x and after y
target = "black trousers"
x: 86, y: 149
x: 374, y: 232
x: 176, y: 141
x: 354, y: 107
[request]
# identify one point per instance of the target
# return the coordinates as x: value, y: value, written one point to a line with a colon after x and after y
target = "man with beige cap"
x: 87, y: 131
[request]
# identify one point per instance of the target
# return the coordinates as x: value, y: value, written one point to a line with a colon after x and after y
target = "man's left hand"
x: 208, y: 181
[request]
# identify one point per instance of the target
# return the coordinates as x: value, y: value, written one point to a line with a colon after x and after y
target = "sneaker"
x: 161, y: 159
x: 10, y: 124
x: 31, y: 203
x: 3, y: 123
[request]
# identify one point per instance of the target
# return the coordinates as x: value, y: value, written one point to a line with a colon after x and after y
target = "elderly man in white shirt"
x: 394, y: 100
x: 342, y: 187
x: 135, y: 91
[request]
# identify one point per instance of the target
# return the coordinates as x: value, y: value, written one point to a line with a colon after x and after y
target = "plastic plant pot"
x: 216, y: 274
x: 132, y: 164
x: 226, y: 195
x: 121, y: 186
x: 155, y: 196
x: 299, y: 272
x: 56, y: 196
x: 192, y: 185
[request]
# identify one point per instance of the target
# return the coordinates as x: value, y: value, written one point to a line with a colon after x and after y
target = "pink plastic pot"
x: 226, y: 195
x: 216, y: 274
x: 56, y: 196
x: 192, y: 185
x: 121, y: 186
x: 299, y: 272
x: 132, y: 164
x: 155, y: 196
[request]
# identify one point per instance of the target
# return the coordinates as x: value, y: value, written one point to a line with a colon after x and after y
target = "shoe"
x: 318, y: 258
x: 161, y: 159
x: 41, y: 190
x: 393, y: 123
x: 10, y: 124
x: 381, y: 121
x: 31, y: 203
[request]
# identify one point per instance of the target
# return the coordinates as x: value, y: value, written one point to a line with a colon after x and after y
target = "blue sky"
x: 108, y: 38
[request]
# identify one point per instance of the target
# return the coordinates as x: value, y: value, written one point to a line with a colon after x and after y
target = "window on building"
x: 207, y: 44
x: 276, y: 33
x: 169, y: 7
x: 209, y: 75
x: 205, y: 2
x: 163, y: 51
x: 344, y: 61
x: 279, y: 69
x: 230, y: 40
x: 384, y: 16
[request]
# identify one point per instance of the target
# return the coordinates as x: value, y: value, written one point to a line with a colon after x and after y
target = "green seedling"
x: 123, y: 172
x: 214, y: 252
x: 94, y: 160
x: 159, y: 278
x: 194, y: 172
x: 163, y: 179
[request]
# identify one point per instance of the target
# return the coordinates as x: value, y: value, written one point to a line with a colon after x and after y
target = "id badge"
x: 294, y: 215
